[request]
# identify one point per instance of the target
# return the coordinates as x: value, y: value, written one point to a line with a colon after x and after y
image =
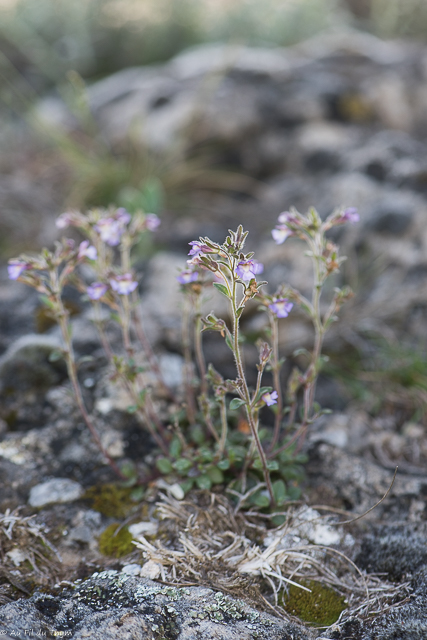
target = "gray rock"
x: 392, y: 216
x: 394, y: 554
x: 26, y: 365
x: 55, y: 490
x: 117, y: 605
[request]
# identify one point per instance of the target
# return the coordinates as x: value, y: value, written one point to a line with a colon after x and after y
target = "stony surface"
x: 116, y: 605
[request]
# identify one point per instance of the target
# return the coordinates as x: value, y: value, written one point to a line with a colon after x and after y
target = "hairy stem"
x: 253, y: 422
x: 275, y: 366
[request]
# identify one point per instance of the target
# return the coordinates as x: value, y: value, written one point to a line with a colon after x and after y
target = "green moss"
x: 321, y: 607
x: 115, y: 545
x: 110, y: 499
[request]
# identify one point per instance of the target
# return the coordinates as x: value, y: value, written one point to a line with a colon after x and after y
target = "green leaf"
x: 294, y: 493
x: 236, y: 403
x: 182, y: 465
x: 204, y: 482
x: 278, y: 520
x: 223, y: 464
x: 132, y: 409
x: 265, y: 390
x: 222, y: 288
x: 260, y: 500
x: 215, y: 475
x: 279, y: 491
x: 206, y: 454
x: 47, y: 301
x: 197, y: 434
x: 229, y: 342
x: 239, y: 311
x: 55, y: 355
x: 186, y: 485
x: 164, y: 466
x: 175, y: 447
x: 137, y: 494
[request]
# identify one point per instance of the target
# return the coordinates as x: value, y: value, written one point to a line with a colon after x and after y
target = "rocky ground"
x: 334, y: 121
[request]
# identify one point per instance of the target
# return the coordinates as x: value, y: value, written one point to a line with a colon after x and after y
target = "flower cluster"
x: 292, y: 223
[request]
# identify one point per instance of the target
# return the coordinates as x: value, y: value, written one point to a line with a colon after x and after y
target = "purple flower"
x: 270, y: 398
x: 248, y: 269
x: 87, y: 250
x: 152, y: 222
x: 123, y: 285
x: 15, y: 268
x: 187, y: 276
x: 111, y: 229
x: 281, y: 307
x: 350, y: 215
x: 280, y: 233
x: 96, y: 290
x: 288, y: 218
x: 122, y: 216
x: 64, y: 220
x: 198, y: 247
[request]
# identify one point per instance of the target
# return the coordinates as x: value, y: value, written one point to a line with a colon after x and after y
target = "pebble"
x: 55, y: 490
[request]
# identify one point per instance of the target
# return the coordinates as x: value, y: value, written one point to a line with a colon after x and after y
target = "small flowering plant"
x: 201, y: 448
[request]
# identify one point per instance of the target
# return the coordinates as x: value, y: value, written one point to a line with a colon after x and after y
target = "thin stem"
x: 275, y: 366
x: 224, y: 426
x: 189, y: 390
x: 201, y: 363
x: 253, y: 422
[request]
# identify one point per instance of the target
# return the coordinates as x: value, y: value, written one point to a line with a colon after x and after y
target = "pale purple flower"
x: 281, y: 233
x: 281, y: 307
x: 15, y: 268
x: 96, y: 290
x: 152, y: 222
x: 270, y: 398
x: 123, y: 285
x: 288, y: 218
x: 64, y: 220
x: 87, y: 250
x: 350, y: 215
x: 198, y: 247
x: 248, y: 269
x: 187, y: 276
x: 122, y: 216
x: 111, y: 229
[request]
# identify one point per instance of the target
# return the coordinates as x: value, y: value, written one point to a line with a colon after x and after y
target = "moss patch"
x: 110, y: 499
x: 115, y: 544
x: 321, y: 607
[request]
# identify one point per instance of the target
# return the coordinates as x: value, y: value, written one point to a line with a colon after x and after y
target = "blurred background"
x: 56, y: 48
x: 41, y: 40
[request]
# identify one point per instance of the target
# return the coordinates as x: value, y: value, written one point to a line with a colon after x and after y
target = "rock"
x: 395, y: 554
x: 360, y: 483
x: 55, y: 490
x: 26, y: 365
x: 116, y: 605
x: 392, y: 216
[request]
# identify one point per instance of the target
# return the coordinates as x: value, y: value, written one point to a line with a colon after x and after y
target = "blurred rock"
x: 55, y: 490
x: 26, y: 364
